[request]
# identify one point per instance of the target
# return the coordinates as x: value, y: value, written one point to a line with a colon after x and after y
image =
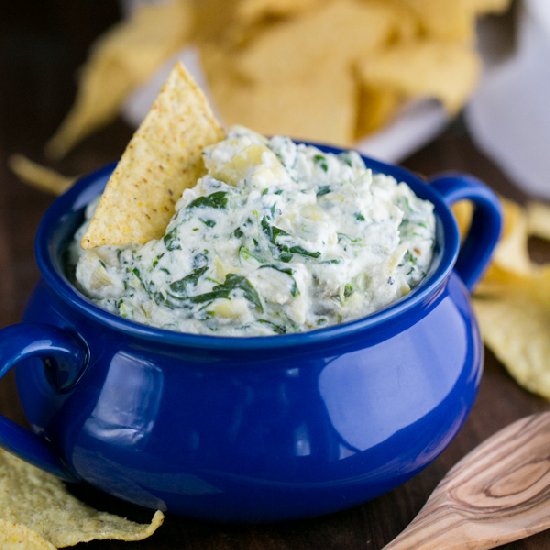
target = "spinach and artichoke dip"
x: 277, y: 237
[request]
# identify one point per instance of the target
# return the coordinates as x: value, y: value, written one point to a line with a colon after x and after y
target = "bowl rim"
x: 78, y: 196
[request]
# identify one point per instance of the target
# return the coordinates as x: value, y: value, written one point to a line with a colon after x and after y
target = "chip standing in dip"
x: 277, y: 237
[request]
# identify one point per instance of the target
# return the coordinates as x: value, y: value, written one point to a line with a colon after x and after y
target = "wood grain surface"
x: 42, y: 42
x: 499, y: 492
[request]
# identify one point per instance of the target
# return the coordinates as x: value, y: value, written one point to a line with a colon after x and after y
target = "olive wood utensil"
x: 497, y: 493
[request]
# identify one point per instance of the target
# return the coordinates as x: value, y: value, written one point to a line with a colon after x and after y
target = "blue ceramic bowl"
x: 249, y: 429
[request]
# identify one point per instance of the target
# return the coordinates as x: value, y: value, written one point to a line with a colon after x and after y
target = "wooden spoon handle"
x: 498, y: 493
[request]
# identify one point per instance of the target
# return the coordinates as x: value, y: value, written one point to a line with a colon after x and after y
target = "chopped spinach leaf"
x: 346, y: 159
x: 200, y: 259
x: 137, y: 273
x: 246, y: 254
x: 171, y: 240
x: 321, y: 161
x: 278, y: 329
x: 232, y: 282
x: 180, y: 287
x: 217, y: 200
x: 274, y: 233
x: 345, y: 237
x: 303, y: 252
x: 157, y: 258
x: 410, y: 258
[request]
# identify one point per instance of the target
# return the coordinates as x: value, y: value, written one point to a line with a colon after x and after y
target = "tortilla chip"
x: 19, y: 537
x: 511, y: 252
x: 538, y: 220
x: 512, y: 305
x: 251, y: 16
x: 376, y: 108
x: 253, y: 10
x: 441, y: 70
x: 33, y: 500
x: 511, y: 257
x: 120, y: 61
x: 516, y: 326
x: 38, y: 176
x: 490, y: 6
x: 213, y: 20
x: 320, y: 109
x: 162, y: 159
x: 463, y: 212
x: 299, y: 49
x: 444, y: 20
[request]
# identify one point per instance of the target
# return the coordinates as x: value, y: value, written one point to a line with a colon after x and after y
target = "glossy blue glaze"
x: 249, y: 429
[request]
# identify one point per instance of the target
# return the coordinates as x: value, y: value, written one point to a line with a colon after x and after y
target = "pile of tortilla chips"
x: 512, y: 302
x: 325, y: 70
x: 37, y: 512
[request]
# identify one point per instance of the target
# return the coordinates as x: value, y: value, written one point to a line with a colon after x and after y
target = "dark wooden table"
x: 41, y: 44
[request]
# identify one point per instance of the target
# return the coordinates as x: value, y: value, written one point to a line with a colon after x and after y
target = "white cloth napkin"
x: 509, y: 115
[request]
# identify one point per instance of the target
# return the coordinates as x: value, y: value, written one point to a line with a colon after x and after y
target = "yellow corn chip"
x: 38, y: 176
x: 251, y: 11
x: 37, y: 501
x: 120, y: 61
x: 445, y: 71
x: 516, y: 325
x: 490, y: 6
x: 251, y: 15
x: 162, y: 159
x: 511, y: 257
x: 213, y: 20
x: 376, y: 108
x: 445, y: 20
x: 320, y: 108
x: 511, y: 252
x: 512, y: 305
x: 538, y: 219
x: 19, y: 537
x: 299, y: 49
x: 463, y: 211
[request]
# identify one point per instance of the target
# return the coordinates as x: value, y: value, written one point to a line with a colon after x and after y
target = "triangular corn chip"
x: 162, y: 159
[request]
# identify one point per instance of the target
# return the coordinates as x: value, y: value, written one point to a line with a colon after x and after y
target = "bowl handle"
x: 479, y: 245
x: 23, y: 341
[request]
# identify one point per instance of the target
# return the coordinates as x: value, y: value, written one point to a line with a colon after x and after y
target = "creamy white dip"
x: 277, y: 237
